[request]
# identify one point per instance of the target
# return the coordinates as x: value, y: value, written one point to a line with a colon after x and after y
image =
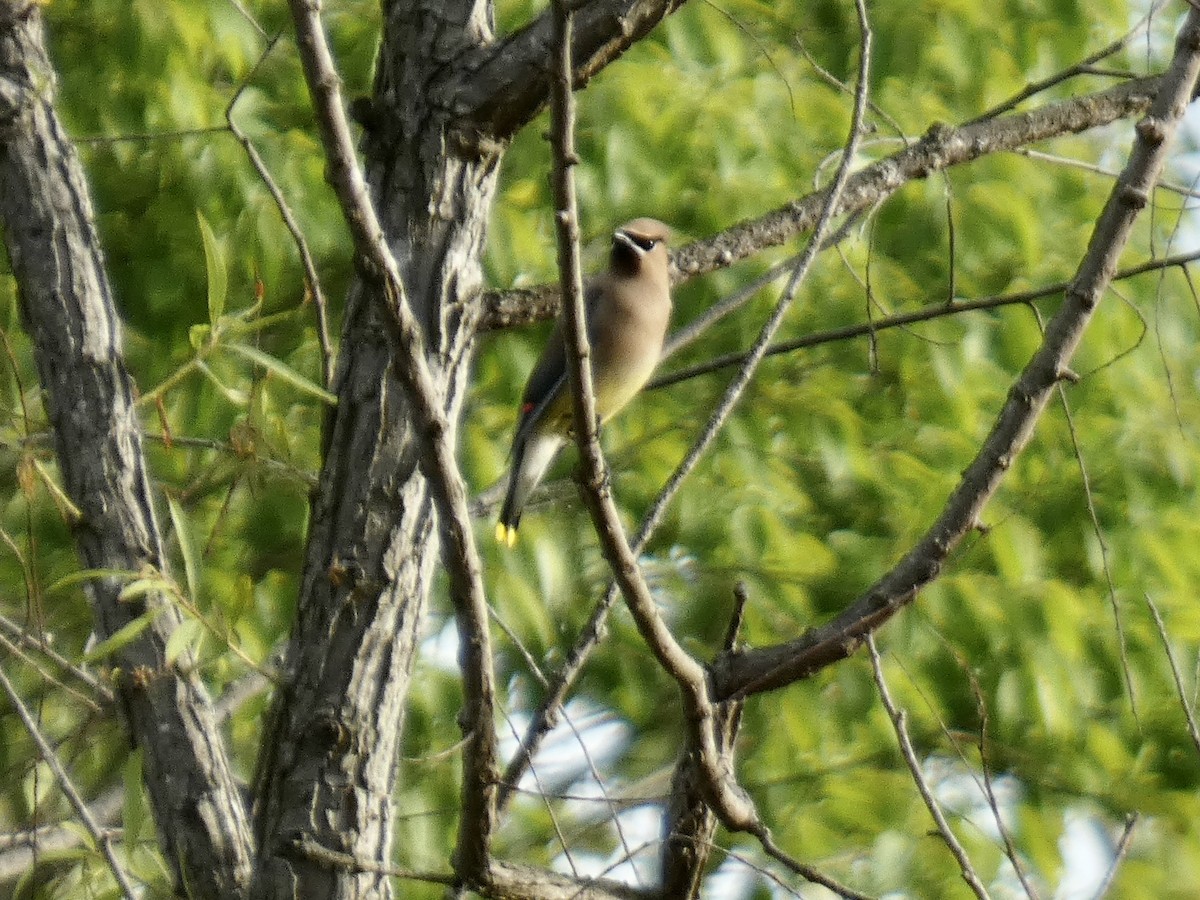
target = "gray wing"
x: 549, y: 375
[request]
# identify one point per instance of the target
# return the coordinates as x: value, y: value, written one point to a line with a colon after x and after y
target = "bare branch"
x: 914, y: 766
x: 336, y: 858
x: 937, y: 310
x: 102, y: 838
x: 807, y: 872
x: 941, y: 148
x: 1131, y: 822
x: 1086, y: 66
x: 511, y: 83
x: 1180, y: 692
x: 98, y: 688
x: 762, y: 669
x: 510, y: 881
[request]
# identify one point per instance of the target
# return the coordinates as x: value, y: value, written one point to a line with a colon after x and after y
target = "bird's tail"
x: 531, y: 459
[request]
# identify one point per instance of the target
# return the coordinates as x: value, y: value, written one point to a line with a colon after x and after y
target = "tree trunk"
x: 329, y: 763
x: 68, y: 311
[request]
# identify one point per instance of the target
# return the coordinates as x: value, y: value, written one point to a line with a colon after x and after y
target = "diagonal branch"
x: 899, y: 725
x: 942, y: 147
x: 511, y: 83
x: 101, y: 836
x: 771, y: 667
x: 927, y: 313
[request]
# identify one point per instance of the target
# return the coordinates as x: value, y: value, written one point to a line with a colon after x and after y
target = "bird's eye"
x: 646, y: 244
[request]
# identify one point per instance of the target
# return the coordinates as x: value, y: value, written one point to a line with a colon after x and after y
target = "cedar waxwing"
x: 627, y: 309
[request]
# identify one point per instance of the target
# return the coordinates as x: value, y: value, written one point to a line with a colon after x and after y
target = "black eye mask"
x: 644, y: 243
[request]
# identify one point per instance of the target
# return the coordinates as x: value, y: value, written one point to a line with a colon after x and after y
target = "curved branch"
x: 754, y: 671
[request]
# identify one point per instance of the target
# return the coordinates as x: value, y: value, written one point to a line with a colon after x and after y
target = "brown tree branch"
x: 1123, y: 843
x: 898, y: 717
x: 942, y: 147
x: 67, y: 306
x: 509, y: 83
x: 730, y: 802
x: 1084, y: 67
x: 772, y: 667
x: 928, y: 313
x: 512, y: 881
x: 99, y: 691
x: 1188, y: 715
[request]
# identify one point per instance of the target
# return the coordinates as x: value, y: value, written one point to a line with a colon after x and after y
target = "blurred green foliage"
x: 837, y: 459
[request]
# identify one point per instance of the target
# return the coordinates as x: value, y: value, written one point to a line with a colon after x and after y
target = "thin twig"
x: 914, y: 766
x: 1089, y: 499
x: 544, y: 796
x: 807, y: 872
x: 1010, y: 847
x: 99, y: 835
x: 935, y: 310
x: 311, y: 279
x: 1086, y: 66
x: 1169, y: 186
x: 312, y: 850
x: 1180, y: 692
x: 49, y: 677
x: 18, y: 634
x: 1126, y: 839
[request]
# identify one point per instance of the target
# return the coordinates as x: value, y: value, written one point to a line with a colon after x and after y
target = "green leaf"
x: 199, y: 335
x: 187, y: 635
x: 140, y: 587
x: 136, y: 812
x: 214, y: 263
x: 284, y: 371
x: 233, y: 395
x: 85, y: 837
x: 123, y: 637
x: 186, y: 549
x: 88, y: 575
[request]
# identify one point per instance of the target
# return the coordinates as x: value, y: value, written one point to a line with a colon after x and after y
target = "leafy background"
x: 836, y: 460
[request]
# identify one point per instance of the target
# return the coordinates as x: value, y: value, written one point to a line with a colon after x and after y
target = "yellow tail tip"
x: 506, y: 534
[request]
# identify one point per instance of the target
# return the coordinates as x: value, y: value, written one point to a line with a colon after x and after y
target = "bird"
x: 627, y: 309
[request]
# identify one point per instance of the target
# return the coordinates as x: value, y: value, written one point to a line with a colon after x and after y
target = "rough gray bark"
x: 330, y: 755
x: 67, y: 307
x: 328, y: 767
